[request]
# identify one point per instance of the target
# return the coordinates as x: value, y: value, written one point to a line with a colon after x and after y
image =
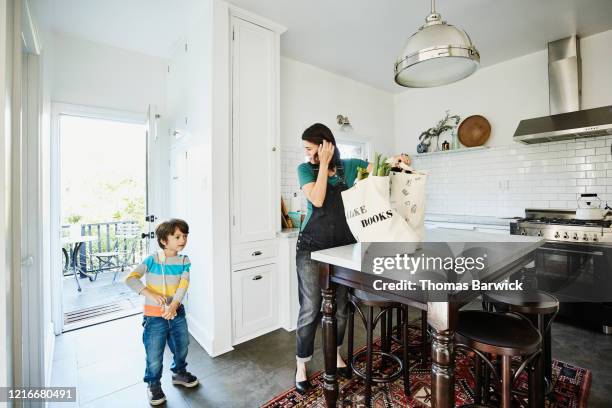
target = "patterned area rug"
x: 571, y: 387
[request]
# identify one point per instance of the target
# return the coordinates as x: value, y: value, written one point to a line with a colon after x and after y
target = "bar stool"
x: 505, y: 335
x: 360, y: 298
x: 540, y: 307
x: 423, y: 345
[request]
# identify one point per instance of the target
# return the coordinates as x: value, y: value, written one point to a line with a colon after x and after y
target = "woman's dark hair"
x: 167, y: 228
x: 316, y: 134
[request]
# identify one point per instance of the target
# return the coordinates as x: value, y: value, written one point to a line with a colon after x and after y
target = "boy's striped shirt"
x: 176, y: 271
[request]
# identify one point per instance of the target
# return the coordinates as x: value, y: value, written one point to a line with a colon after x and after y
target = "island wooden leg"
x: 442, y: 369
x: 330, y: 379
x: 441, y: 318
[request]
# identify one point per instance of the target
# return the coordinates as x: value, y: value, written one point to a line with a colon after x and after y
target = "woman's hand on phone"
x: 325, y: 152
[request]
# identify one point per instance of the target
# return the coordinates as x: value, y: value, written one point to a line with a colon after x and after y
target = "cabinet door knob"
x: 258, y: 277
x: 256, y: 253
x: 274, y: 149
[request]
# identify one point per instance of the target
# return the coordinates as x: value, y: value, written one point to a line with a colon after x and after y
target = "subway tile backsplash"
x: 291, y: 158
x: 503, y: 181
x: 499, y: 181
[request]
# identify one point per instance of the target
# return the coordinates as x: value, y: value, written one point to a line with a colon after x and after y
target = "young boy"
x: 167, y: 278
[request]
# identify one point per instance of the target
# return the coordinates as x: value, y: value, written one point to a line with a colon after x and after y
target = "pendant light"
x: 437, y: 54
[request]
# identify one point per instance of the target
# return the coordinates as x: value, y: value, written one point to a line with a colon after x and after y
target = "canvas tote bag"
x: 408, y: 198
x: 370, y: 215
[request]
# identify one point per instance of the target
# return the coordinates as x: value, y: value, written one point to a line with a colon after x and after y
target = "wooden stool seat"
x: 531, y: 302
x: 497, y: 333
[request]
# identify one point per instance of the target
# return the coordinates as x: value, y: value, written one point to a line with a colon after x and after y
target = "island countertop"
x: 350, y: 256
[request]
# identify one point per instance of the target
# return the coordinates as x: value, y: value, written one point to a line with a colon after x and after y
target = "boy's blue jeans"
x: 159, y: 331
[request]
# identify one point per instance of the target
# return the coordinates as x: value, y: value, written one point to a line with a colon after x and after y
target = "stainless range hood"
x: 566, y: 120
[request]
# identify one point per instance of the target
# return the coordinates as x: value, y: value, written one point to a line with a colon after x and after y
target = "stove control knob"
x: 557, y: 234
x: 540, y: 233
x: 566, y: 236
x: 575, y: 236
x: 585, y: 238
x: 595, y: 238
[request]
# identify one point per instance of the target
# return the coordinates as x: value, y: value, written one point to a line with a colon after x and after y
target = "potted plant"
x: 426, y: 138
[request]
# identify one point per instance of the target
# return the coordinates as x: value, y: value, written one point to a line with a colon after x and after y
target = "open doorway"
x: 103, y: 199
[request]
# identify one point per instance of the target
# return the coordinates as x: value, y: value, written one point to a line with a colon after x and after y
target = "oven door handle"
x: 572, y: 251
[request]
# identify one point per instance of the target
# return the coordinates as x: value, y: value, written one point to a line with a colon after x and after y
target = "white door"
x: 153, y: 175
x: 254, y: 133
x: 178, y: 182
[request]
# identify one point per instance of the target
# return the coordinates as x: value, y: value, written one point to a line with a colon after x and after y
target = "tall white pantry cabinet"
x: 255, y: 193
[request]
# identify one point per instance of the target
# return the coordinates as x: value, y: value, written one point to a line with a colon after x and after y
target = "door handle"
x: 256, y: 253
x: 145, y: 235
x: 258, y: 277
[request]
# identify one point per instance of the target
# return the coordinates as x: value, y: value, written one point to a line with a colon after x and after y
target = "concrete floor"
x: 106, y: 364
x: 98, y: 294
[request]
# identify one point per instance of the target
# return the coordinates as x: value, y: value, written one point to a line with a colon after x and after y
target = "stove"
x: 574, y: 264
x: 562, y: 226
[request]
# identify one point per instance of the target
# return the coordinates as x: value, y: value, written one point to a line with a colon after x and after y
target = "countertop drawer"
x: 254, y: 251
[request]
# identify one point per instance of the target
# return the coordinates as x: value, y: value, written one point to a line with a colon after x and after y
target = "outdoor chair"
x: 118, y: 259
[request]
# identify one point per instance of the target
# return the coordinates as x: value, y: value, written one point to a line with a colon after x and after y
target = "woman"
x: 322, y: 180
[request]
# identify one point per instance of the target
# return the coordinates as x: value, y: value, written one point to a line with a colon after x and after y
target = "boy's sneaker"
x: 186, y: 379
x: 155, y: 394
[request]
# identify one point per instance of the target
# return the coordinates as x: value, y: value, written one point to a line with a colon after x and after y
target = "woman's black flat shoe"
x: 344, y: 372
x: 302, y: 386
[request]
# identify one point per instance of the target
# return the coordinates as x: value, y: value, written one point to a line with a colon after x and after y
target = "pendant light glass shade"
x: 437, y: 54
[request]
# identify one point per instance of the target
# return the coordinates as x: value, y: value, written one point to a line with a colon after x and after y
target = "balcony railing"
x: 111, y: 237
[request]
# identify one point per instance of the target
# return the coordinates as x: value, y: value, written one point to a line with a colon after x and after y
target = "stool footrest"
x: 378, y: 378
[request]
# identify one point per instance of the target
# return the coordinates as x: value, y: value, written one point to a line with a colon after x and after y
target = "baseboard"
x: 256, y: 334
x: 290, y: 328
x: 205, y: 340
x: 49, y: 352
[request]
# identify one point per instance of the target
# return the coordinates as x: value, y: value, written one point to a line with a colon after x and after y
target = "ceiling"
x: 358, y: 39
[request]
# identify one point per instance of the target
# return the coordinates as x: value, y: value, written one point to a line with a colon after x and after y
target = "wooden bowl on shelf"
x: 474, y: 131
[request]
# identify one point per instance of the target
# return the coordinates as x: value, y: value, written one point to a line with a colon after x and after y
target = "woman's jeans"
x: 310, y: 306
x: 159, y: 331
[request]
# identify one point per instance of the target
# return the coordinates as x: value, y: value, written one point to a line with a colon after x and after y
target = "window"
x: 352, y: 149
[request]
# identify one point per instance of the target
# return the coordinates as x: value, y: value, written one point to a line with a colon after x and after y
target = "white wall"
x: 97, y: 75
x: 509, y: 177
x: 93, y: 74
x: 504, y: 94
x: 197, y: 90
x: 310, y: 94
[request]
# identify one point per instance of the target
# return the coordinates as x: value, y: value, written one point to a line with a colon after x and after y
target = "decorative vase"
x: 455, y: 144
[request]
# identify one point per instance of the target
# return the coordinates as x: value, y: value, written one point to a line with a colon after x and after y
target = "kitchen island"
x: 352, y: 266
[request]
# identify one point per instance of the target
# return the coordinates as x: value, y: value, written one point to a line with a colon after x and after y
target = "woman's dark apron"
x: 327, y: 225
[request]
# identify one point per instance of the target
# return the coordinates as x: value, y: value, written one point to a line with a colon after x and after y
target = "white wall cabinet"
x: 254, y: 291
x: 255, y: 161
x: 255, y: 166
